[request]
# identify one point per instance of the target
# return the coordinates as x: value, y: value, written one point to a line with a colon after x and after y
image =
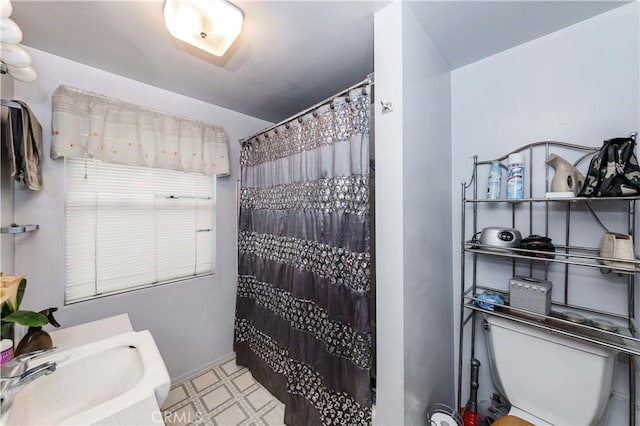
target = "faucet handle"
x: 33, y: 354
x: 20, y: 361
x: 37, y: 371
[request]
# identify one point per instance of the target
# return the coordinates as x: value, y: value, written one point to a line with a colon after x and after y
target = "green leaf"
x: 6, y: 310
x: 22, y: 287
x: 28, y: 318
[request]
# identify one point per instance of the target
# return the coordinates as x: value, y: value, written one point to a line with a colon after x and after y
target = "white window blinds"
x: 130, y: 227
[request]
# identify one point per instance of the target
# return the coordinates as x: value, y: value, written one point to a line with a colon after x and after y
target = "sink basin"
x: 93, y: 381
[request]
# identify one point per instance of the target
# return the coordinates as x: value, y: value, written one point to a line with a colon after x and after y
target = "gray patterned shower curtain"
x: 302, y: 311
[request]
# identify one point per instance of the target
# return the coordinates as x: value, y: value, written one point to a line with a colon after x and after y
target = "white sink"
x: 93, y: 381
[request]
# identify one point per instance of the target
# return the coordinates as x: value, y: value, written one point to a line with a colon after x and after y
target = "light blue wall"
x: 413, y: 215
x: 7, y: 242
x: 580, y: 85
x: 192, y: 320
x: 428, y: 327
x: 389, y: 217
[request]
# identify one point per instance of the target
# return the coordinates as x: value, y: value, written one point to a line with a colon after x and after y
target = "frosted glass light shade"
x: 14, y: 55
x: 26, y: 74
x: 5, y: 8
x: 210, y: 25
x: 10, y: 31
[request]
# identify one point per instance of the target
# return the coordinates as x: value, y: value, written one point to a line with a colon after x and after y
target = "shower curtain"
x: 302, y: 311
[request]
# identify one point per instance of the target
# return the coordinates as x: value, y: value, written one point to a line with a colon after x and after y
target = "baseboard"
x: 220, y: 360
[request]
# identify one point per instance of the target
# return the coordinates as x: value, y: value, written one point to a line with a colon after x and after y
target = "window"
x: 130, y: 227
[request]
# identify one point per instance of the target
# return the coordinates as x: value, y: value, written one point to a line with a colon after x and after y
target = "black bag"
x: 539, y: 243
x: 614, y: 170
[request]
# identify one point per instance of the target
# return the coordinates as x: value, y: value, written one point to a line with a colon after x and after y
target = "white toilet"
x: 547, y: 378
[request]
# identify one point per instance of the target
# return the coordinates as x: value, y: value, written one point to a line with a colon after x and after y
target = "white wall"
x: 390, y: 380
x: 191, y: 321
x: 7, y: 241
x: 580, y: 85
x: 415, y: 347
x: 426, y: 138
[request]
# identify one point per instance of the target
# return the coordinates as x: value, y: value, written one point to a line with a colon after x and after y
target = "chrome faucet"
x: 15, y: 374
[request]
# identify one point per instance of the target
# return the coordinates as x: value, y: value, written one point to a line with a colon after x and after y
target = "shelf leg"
x: 567, y: 236
x: 631, y: 300
x: 462, y: 284
x: 632, y: 391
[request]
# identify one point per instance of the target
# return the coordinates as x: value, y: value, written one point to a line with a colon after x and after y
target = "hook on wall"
x: 386, y: 106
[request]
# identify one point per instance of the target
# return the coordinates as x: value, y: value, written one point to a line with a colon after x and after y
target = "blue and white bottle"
x: 495, y: 180
x: 515, y: 177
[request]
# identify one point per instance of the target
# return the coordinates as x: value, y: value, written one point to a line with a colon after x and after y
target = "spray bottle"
x: 36, y: 338
x: 495, y: 180
x: 515, y: 177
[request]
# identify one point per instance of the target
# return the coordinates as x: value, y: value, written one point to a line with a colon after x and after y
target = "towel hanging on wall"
x: 89, y: 125
x: 24, y: 145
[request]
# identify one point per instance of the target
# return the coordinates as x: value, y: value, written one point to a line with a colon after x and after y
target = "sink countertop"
x: 69, y: 337
x: 145, y: 412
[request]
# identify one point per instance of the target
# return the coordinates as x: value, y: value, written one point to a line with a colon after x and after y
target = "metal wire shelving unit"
x: 624, y: 340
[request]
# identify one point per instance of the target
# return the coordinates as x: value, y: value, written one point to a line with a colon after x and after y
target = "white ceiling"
x: 290, y: 55
x: 466, y: 31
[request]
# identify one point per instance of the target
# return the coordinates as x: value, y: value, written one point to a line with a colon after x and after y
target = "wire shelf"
x: 621, y: 341
x: 537, y: 211
x: 552, y: 200
x: 574, y: 255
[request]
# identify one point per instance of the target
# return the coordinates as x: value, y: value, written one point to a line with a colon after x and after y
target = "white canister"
x: 515, y: 177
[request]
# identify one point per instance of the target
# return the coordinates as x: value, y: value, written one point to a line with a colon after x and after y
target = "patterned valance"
x: 86, y: 124
x: 342, y: 119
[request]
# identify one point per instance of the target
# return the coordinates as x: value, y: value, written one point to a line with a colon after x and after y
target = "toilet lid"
x: 515, y: 411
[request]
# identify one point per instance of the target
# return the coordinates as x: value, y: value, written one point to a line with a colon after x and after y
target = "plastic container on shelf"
x: 6, y: 350
x: 530, y: 294
x: 515, y: 177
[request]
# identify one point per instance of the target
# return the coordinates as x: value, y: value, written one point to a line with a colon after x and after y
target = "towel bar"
x: 18, y: 229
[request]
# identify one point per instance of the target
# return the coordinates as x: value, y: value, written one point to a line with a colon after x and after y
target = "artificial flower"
x: 9, y: 285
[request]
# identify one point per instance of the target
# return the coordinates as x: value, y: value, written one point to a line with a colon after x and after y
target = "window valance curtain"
x: 86, y: 124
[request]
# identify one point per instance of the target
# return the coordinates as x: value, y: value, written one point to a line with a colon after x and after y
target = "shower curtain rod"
x: 369, y: 80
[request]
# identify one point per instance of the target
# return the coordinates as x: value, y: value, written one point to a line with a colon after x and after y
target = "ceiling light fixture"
x: 14, y: 59
x: 210, y: 25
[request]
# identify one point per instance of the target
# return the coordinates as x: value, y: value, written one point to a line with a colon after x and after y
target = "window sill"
x: 141, y: 287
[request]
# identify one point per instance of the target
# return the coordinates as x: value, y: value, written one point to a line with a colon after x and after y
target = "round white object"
x: 442, y: 419
x: 6, y: 344
x: 26, y: 74
x: 5, y: 8
x: 14, y: 55
x: 10, y: 32
x: 574, y: 317
x: 604, y: 324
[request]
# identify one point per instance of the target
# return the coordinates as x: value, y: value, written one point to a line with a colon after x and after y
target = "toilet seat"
x: 515, y: 411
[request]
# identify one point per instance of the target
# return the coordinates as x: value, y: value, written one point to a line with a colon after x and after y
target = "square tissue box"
x: 530, y: 294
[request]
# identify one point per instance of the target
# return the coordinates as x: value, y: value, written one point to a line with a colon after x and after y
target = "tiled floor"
x: 223, y: 395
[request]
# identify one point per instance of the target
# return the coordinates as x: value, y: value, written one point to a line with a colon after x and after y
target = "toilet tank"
x: 560, y: 380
